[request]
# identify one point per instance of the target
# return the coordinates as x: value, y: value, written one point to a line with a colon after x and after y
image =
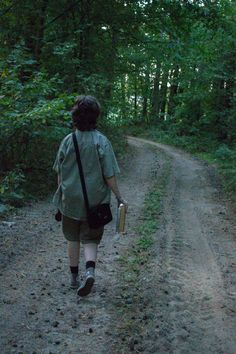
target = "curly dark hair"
x: 85, y: 113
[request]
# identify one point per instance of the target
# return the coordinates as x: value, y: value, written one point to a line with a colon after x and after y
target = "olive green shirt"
x: 98, y: 161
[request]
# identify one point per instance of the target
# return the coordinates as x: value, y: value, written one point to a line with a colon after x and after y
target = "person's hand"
x: 122, y: 201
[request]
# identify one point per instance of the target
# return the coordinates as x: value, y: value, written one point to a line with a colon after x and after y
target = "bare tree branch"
x: 69, y: 8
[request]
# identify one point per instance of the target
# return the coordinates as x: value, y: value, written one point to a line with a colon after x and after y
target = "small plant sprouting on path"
x: 140, y: 253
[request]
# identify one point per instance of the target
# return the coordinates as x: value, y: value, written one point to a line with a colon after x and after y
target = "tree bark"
x: 123, y: 98
x: 156, y: 94
x: 163, y: 94
x: 40, y: 31
x: 135, y: 97
x: 146, y: 93
x: 110, y: 68
x: 85, y: 35
x: 173, y: 91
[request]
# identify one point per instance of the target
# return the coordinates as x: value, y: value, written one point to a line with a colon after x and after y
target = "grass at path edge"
x: 136, y: 260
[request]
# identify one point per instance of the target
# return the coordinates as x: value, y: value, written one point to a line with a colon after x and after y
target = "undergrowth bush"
x: 225, y: 158
x: 11, y: 188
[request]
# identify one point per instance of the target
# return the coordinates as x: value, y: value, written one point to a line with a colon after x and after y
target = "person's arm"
x: 112, y: 184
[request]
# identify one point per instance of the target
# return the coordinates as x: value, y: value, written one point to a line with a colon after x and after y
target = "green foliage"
x: 145, y: 242
x: 34, y: 118
x: 224, y: 153
x: 11, y: 188
x: 226, y: 160
x: 168, y: 64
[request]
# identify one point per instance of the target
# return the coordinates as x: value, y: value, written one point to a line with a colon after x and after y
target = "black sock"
x: 74, y: 270
x: 90, y: 264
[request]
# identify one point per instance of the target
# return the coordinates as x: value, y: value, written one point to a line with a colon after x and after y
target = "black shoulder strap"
x: 81, y: 172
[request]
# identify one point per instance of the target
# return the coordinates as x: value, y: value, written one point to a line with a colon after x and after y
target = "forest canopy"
x: 165, y: 63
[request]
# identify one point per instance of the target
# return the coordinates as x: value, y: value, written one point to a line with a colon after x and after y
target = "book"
x: 120, y: 219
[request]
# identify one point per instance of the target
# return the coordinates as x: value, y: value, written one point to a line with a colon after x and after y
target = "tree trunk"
x: 123, y: 98
x: 84, y: 37
x: 145, y: 94
x: 34, y: 30
x: 173, y: 91
x: 110, y: 68
x: 163, y: 94
x: 40, y: 31
x: 135, y: 97
x: 156, y: 95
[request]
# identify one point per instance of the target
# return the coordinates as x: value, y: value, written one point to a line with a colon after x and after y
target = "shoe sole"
x: 86, y: 289
x: 74, y: 286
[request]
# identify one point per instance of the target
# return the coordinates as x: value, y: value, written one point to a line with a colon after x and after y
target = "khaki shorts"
x: 75, y: 230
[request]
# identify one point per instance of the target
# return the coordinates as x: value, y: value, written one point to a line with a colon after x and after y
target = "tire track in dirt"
x: 191, y: 271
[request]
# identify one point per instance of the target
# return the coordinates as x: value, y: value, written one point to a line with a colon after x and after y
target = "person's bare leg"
x: 90, y: 252
x: 74, y: 255
x: 90, y: 255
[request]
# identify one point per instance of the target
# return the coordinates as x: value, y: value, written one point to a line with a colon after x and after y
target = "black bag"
x: 99, y: 215
x: 58, y: 216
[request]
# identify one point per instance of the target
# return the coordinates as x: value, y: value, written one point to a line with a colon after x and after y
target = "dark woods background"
x: 161, y: 68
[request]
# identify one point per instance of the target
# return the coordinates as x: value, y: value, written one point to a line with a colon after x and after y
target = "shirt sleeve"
x: 60, y: 157
x: 108, y: 160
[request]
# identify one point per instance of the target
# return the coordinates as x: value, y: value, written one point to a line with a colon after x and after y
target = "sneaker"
x: 74, y: 282
x: 87, y: 285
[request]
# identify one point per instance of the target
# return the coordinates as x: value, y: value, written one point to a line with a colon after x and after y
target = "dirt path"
x: 39, y: 312
x: 189, y: 286
x: 192, y: 276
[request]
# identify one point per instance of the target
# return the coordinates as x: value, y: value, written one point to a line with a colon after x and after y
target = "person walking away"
x: 100, y: 169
